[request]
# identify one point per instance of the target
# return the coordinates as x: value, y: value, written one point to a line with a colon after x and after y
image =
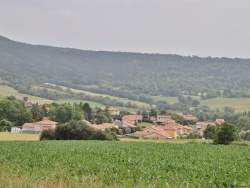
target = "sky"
x: 216, y: 28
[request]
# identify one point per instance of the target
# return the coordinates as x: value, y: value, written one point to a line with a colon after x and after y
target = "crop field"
x: 7, y: 91
x: 18, y: 137
x: 122, y: 164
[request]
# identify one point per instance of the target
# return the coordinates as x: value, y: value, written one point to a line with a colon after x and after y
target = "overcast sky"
x: 217, y: 28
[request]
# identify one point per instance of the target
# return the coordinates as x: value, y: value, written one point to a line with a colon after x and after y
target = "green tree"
x: 37, y: 112
x: 209, y: 132
x: 103, y: 117
x: 226, y: 133
x: 243, y: 123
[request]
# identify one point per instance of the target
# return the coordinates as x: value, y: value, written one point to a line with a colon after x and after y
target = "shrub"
x: 77, y: 130
x: 225, y: 133
x: 194, y: 136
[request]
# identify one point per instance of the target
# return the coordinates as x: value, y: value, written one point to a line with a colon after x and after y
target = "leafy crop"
x: 127, y: 164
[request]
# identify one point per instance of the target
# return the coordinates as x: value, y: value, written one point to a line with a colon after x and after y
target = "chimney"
x: 25, y: 99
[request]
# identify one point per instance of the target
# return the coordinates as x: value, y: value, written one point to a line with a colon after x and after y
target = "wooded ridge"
x: 122, y: 74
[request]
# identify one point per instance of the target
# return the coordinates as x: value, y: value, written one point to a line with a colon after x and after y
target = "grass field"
x: 139, y: 104
x: 240, y: 104
x: 18, y: 137
x: 8, y: 91
x: 122, y: 164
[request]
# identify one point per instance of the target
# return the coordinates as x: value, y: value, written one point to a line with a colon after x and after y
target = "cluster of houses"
x: 164, y: 128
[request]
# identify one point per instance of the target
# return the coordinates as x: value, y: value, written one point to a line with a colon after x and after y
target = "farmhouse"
x: 38, y: 127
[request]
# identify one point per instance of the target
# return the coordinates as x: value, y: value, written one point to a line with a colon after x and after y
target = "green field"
x: 8, y: 91
x: 122, y: 164
x: 138, y: 103
x: 240, y: 104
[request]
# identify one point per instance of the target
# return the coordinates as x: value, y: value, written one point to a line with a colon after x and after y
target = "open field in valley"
x: 122, y: 164
x: 8, y: 91
x: 138, y: 103
x: 240, y: 104
x: 4, y: 136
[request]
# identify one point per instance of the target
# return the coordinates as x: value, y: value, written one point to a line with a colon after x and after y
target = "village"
x: 130, y: 125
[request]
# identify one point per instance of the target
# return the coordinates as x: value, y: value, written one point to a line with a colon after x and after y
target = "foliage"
x: 243, y: 123
x: 76, y: 130
x: 194, y: 136
x: 14, y: 111
x: 209, y: 132
x: 103, y: 117
x: 142, y: 75
x: 245, y: 135
x: 225, y: 133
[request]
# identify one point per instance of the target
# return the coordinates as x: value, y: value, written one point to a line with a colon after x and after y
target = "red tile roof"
x: 163, y: 116
x: 129, y: 124
x: 219, y: 121
x: 31, y: 125
x: 160, y: 132
x: 156, y: 128
x: 46, y: 122
x: 132, y: 117
x: 103, y: 126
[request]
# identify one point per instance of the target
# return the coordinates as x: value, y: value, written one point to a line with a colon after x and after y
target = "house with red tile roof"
x: 39, y: 126
x: 219, y: 121
x: 200, y: 126
x: 132, y: 118
x: 153, y: 132
x: 127, y: 123
x: 163, y: 118
x: 113, y: 111
x: 189, y: 117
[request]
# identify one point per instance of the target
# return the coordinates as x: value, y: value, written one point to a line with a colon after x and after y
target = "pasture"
x: 8, y: 91
x: 138, y: 103
x: 122, y: 164
x: 240, y: 104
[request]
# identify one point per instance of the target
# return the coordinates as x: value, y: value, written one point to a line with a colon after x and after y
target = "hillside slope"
x: 121, y: 74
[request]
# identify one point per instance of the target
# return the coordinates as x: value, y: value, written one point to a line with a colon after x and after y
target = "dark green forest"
x: 134, y: 76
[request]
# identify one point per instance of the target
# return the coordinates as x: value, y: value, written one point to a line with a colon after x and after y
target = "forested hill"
x: 25, y: 65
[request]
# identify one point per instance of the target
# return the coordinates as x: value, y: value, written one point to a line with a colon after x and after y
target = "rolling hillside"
x: 121, y: 74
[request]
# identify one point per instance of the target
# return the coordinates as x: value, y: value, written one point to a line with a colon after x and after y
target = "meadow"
x: 122, y: 164
x: 138, y: 103
x: 8, y: 91
x: 239, y: 104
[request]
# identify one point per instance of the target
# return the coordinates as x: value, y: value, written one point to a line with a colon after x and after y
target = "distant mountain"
x: 120, y: 73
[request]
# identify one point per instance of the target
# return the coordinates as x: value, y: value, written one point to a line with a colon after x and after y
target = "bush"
x: 76, y: 130
x: 194, y: 136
